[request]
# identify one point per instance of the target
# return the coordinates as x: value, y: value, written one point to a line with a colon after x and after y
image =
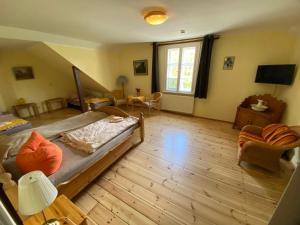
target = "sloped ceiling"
x: 42, y: 51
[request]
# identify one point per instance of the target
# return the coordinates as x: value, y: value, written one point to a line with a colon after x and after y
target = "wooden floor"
x: 184, y: 173
x: 53, y: 116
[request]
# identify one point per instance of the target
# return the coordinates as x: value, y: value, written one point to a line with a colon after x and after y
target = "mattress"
x: 74, y: 161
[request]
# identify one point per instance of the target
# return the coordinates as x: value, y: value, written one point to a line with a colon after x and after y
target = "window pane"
x: 172, y: 84
x: 187, y: 69
x: 172, y: 69
x: 188, y: 55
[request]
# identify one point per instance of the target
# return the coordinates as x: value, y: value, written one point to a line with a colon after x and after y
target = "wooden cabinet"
x: 246, y: 116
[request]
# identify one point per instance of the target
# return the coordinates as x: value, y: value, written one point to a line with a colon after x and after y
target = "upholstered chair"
x: 257, y: 151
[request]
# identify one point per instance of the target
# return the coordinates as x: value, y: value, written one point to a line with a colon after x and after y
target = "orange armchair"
x: 261, y: 153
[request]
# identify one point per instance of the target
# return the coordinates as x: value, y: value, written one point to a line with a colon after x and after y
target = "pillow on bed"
x: 39, y: 154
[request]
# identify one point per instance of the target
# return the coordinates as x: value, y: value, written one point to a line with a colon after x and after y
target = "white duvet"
x: 91, y: 137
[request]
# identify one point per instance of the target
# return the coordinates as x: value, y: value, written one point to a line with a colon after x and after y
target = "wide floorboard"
x: 185, y: 172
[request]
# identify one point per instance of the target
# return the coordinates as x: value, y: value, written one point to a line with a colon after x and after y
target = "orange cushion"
x: 269, y: 130
x: 39, y: 154
x: 245, y: 136
x: 279, y: 134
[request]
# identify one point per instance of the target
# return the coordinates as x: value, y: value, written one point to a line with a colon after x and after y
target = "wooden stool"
x: 27, y: 106
x: 49, y: 103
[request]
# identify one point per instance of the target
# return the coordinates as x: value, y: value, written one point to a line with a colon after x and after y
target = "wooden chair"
x: 119, y: 98
x: 263, y: 154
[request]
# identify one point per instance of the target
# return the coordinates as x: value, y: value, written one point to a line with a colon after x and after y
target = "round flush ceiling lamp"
x: 156, y: 17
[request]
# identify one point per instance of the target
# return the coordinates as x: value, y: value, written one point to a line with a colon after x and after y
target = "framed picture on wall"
x: 23, y: 72
x: 140, y: 67
x: 228, y: 62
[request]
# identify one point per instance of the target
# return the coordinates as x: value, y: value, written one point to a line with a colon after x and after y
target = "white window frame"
x: 195, y: 69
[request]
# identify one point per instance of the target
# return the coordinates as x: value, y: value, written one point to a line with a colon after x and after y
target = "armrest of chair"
x: 253, y: 129
x: 261, y: 154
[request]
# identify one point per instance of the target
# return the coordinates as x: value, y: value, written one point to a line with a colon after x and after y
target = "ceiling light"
x: 156, y: 17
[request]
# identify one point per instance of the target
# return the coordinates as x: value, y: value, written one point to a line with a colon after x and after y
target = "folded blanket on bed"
x: 91, y: 137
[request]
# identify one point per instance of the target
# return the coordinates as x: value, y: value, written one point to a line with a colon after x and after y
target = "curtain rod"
x: 184, y: 41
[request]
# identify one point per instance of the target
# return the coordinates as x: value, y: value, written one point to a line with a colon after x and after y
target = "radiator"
x: 178, y: 103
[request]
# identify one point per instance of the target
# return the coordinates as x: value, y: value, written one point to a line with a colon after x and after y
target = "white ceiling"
x: 121, y: 21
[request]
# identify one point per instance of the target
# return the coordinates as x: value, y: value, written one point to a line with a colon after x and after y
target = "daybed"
x: 9, y: 124
x: 94, y: 102
x: 78, y: 169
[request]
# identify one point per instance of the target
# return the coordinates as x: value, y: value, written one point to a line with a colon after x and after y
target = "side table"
x: 27, y: 106
x: 60, y: 101
x: 62, y: 207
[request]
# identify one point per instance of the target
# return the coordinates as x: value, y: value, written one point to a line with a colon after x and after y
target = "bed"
x: 9, y: 124
x: 78, y: 169
x: 94, y: 102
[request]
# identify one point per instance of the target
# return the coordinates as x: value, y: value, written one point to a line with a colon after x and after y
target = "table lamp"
x: 36, y: 192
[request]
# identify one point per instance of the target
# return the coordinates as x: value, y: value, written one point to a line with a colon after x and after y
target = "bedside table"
x: 61, y: 207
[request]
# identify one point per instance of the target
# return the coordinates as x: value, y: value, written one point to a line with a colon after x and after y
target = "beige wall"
x: 291, y: 94
x: 227, y: 88
x: 127, y: 54
x: 48, y: 83
x: 98, y: 63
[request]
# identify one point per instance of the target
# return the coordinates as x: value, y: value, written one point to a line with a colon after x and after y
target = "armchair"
x: 260, y: 152
x: 154, y: 102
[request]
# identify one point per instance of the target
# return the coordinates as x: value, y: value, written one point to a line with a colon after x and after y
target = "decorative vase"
x: 260, y: 103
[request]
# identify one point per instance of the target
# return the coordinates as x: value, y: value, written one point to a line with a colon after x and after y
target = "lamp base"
x: 52, y: 222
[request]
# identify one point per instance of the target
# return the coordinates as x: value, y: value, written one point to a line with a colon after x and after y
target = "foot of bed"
x: 142, y: 127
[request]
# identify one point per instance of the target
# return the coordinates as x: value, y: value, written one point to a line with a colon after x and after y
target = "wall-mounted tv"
x: 275, y: 74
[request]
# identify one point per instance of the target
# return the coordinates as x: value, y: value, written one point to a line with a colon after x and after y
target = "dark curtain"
x: 203, y: 72
x: 155, y: 73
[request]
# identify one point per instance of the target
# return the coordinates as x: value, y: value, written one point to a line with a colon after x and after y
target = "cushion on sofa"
x: 39, y: 154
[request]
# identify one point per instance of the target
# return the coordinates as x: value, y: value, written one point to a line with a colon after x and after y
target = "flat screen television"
x: 275, y: 74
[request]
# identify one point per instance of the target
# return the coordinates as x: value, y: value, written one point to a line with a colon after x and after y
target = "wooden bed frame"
x: 77, y: 183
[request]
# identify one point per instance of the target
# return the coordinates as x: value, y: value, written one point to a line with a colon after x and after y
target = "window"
x: 180, y: 72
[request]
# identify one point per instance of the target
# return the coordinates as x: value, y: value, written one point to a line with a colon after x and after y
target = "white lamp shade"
x: 36, y: 192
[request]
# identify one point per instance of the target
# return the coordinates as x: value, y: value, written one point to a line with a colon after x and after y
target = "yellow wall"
x: 291, y: 94
x: 227, y: 88
x: 98, y: 63
x: 48, y: 83
x: 127, y: 54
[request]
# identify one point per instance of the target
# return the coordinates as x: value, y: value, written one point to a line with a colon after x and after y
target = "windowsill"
x: 177, y: 93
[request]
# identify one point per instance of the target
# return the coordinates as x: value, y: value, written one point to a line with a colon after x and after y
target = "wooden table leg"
x: 35, y: 109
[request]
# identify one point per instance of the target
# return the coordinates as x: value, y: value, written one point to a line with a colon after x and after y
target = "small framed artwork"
x: 23, y: 72
x: 140, y: 67
x: 228, y: 62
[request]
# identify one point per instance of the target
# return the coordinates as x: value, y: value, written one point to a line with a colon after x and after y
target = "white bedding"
x: 91, y: 137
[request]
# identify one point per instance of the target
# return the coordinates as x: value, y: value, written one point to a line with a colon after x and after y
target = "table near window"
x: 131, y: 99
